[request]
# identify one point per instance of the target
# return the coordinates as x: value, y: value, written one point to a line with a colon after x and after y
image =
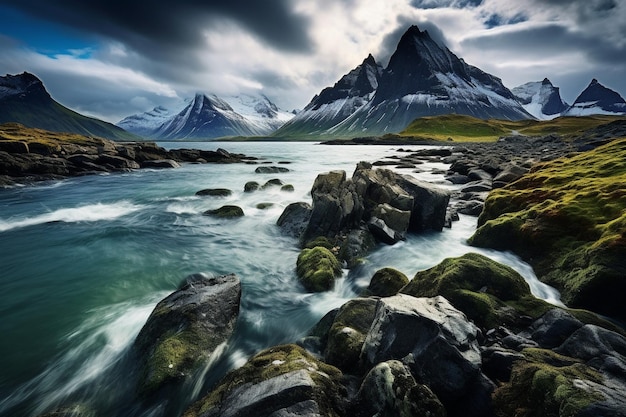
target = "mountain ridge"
x: 25, y: 100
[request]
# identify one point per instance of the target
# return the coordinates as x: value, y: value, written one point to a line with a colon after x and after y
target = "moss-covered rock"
x: 287, y: 188
x: 185, y: 328
x: 225, y: 212
x: 567, y: 217
x: 546, y: 384
x: 488, y: 292
x: 317, y: 269
x: 387, y: 282
x: 264, y: 206
x: 215, y: 192
x: 251, y: 186
x: 284, y: 380
x: 348, y: 332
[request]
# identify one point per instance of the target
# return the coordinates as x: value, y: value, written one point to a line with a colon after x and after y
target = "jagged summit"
x: 541, y: 99
x: 25, y: 84
x: 597, y: 99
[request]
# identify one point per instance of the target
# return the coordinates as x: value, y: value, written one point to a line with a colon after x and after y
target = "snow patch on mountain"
x: 541, y: 99
x: 597, y: 99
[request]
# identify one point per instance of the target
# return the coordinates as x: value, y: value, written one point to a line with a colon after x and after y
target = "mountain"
x: 334, y: 104
x: 597, y: 99
x: 541, y: 99
x: 210, y: 117
x: 422, y: 78
x: 24, y: 99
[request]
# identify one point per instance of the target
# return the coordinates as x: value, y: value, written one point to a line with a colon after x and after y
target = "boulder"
x: 185, y: 329
x: 317, y: 269
x: 553, y: 328
x: 14, y: 146
x: 294, y: 219
x: 287, y: 188
x: 438, y: 344
x: 347, y: 333
x: 225, y: 212
x: 274, y: 182
x: 251, y: 186
x: 387, y: 282
x: 281, y: 381
x: 270, y: 170
x: 389, y: 389
x: 215, y: 192
x: 160, y: 164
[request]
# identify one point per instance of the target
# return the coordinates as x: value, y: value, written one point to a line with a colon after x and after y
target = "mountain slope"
x: 426, y: 79
x: 541, y: 99
x: 24, y: 99
x: 334, y: 104
x: 597, y: 99
x: 210, y: 117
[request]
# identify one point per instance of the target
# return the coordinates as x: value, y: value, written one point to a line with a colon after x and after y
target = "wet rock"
x: 274, y: 182
x: 160, y: 164
x: 317, y: 269
x: 387, y: 282
x: 225, y: 212
x: 287, y: 188
x: 215, y: 192
x: 251, y: 186
x: 281, y: 381
x: 553, y: 328
x: 438, y: 344
x: 270, y: 170
x: 294, y: 219
x: 389, y: 389
x: 185, y: 329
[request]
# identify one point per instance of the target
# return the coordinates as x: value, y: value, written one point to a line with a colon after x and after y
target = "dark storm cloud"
x: 157, y: 27
x: 436, y: 4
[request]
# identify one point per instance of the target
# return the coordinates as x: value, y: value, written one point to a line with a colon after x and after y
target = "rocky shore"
x: 29, y: 155
x: 463, y: 338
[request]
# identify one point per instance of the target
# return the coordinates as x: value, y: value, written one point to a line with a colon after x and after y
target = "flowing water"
x: 84, y: 261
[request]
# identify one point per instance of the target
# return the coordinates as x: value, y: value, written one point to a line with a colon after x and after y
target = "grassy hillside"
x: 39, y: 138
x: 52, y: 116
x: 461, y: 128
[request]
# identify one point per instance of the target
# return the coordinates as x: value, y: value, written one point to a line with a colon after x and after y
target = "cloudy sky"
x: 112, y: 58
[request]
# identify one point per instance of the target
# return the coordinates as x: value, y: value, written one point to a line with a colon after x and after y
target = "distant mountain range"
x: 24, y: 99
x: 423, y: 78
x: 209, y: 117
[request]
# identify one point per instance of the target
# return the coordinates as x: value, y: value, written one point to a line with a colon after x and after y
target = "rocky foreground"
x: 28, y: 155
x: 464, y: 338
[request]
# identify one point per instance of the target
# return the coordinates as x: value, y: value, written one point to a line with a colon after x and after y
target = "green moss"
x: 321, y: 241
x: 387, y: 282
x: 543, y: 385
x: 568, y: 219
x: 317, y: 269
x: 225, y: 212
x: 348, y: 331
x: 273, y: 362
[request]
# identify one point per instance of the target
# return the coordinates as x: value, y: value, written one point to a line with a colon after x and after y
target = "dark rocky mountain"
x: 597, y: 99
x: 541, y: 99
x: 25, y: 100
x: 423, y: 78
x: 334, y: 104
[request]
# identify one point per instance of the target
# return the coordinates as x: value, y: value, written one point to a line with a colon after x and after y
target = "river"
x: 85, y: 260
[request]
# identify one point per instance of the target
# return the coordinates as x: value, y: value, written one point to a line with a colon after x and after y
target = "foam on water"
x: 87, y: 213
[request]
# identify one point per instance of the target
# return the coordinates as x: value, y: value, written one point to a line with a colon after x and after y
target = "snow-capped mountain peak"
x: 597, y: 99
x: 541, y: 99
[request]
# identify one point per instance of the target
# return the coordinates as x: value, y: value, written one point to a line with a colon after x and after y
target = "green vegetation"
x: 568, y: 219
x: 270, y: 363
x: 317, y: 269
x: 387, y: 282
x: 544, y: 385
x: 486, y: 291
x: 461, y: 128
x: 45, y: 140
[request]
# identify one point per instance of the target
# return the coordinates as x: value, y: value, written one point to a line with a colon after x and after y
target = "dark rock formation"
x: 387, y: 282
x: 294, y: 219
x: 185, y: 328
x: 317, y: 269
x: 270, y: 170
x: 215, y: 192
x: 225, y: 212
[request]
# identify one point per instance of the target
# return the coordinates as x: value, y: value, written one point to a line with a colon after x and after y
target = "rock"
x: 251, y: 186
x: 270, y: 170
x: 387, y: 282
x: 389, y: 389
x: 477, y: 187
x: 117, y: 162
x: 347, y: 333
x: 382, y: 232
x: 282, y: 381
x: 601, y: 348
x: 160, y: 163
x: 185, y: 329
x: 437, y: 343
x: 510, y: 173
x: 14, y: 146
x: 275, y: 182
x: 294, y: 219
x: 215, y: 192
x: 553, y: 328
x: 480, y: 287
x: 287, y: 188
x: 458, y: 179
x: 470, y: 208
x: 356, y: 245
x: 225, y: 212
x: 498, y: 362
x: 317, y: 269
x: 264, y: 206
x: 477, y: 174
